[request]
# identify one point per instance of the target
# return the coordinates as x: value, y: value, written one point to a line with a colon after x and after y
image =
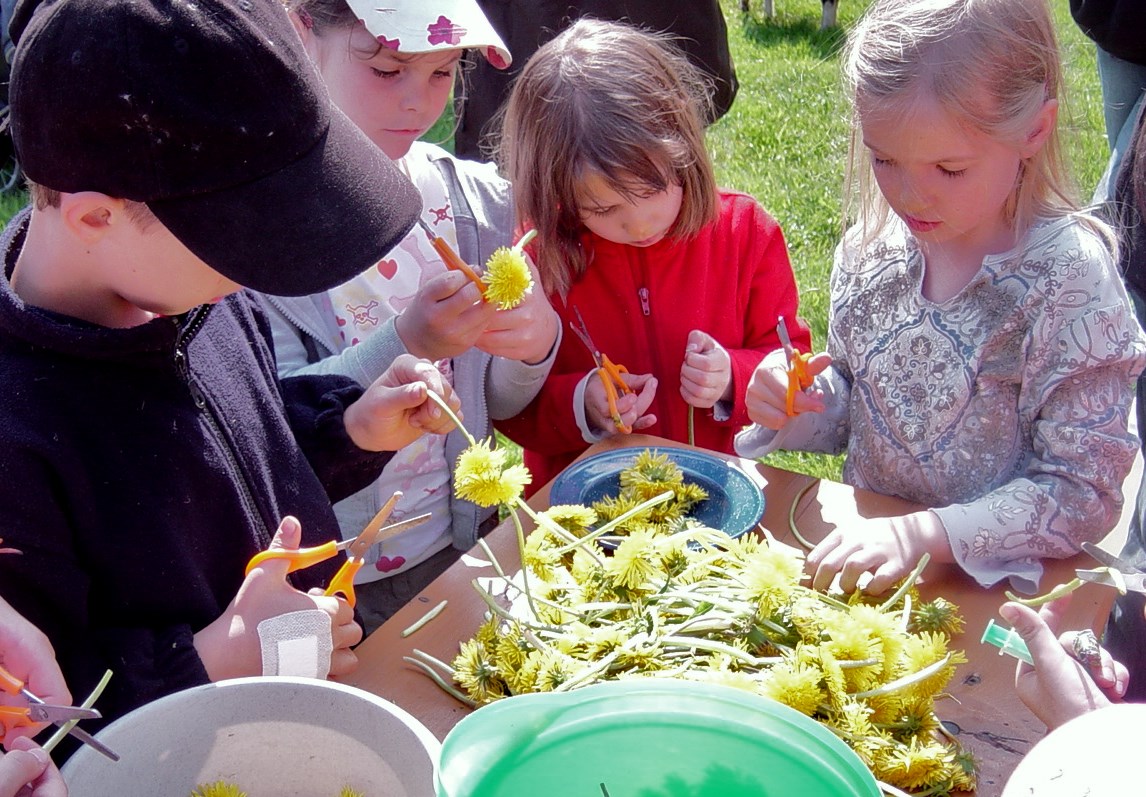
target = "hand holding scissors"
x: 35, y: 711
x: 343, y: 582
x: 798, y: 376
x: 1115, y: 571
x: 609, y: 373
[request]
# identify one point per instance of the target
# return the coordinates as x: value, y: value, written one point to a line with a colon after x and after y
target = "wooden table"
x: 983, y: 709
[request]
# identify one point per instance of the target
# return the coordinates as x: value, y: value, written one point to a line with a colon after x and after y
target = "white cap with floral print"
x: 419, y: 26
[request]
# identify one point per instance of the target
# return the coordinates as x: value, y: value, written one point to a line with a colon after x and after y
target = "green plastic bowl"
x: 647, y: 738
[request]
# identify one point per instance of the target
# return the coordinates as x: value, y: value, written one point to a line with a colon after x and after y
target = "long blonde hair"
x: 991, y: 63
x: 609, y: 98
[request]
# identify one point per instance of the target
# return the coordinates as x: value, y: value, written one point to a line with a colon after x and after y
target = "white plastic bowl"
x: 271, y: 737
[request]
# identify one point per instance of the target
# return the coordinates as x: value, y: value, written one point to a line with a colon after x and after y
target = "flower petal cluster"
x: 482, y: 475
x: 507, y: 278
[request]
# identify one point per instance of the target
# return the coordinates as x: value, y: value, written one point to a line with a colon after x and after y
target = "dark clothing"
x: 1125, y: 635
x: 525, y: 25
x: 1117, y: 26
x: 141, y: 468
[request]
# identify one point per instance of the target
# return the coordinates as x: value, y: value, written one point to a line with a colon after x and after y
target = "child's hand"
x: 28, y: 655
x: 1059, y: 688
x: 527, y: 332
x: 396, y: 410
x: 886, y: 548
x: 630, y: 406
x: 706, y: 374
x: 445, y: 318
x: 767, y: 397
x: 230, y: 647
x: 27, y: 771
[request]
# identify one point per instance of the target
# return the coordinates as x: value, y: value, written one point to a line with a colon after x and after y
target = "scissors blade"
x: 582, y: 331
x: 1131, y: 582
x: 1107, y: 559
x: 45, y: 712
x: 360, y: 544
x: 785, y: 341
x: 395, y: 529
x: 77, y: 732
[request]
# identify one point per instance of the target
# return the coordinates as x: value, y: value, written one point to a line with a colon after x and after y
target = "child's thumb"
x: 289, y: 534
x: 1040, y: 638
x: 698, y: 341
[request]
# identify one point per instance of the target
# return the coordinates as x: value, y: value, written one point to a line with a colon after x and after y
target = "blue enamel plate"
x: 734, y: 504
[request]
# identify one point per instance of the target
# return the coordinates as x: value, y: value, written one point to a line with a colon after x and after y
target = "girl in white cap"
x: 390, y: 67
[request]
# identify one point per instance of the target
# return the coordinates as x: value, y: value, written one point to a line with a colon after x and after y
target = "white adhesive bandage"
x: 297, y: 643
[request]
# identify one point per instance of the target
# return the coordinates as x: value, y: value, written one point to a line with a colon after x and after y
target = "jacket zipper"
x: 661, y: 402
x: 183, y: 366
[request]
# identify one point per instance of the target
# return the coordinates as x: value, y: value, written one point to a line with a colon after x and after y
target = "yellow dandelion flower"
x: 475, y: 672
x: 923, y: 650
x: 349, y: 792
x: 219, y: 788
x: 574, y: 518
x: 511, y: 649
x: 794, y: 684
x: 540, y: 555
x: 805, y: 616
x: 769, y: 576
x: 917, y: 765
x: 507, y: 278
x: 553, y: 670
x: 938, y: 615
x: 633, y: 564
x: 524, y: 678
x: 884, y: 627
x: 489, y: 633
x: 481, y: 476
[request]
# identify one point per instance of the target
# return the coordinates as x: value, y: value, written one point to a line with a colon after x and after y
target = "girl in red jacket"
x: 678, y: 281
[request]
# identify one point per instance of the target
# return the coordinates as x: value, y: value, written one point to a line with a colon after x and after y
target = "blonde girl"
x: 981, y: 350
x: 390, y: 67
x: 679, y: 281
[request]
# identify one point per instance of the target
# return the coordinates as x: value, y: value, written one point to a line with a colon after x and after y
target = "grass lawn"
x: 784, y: 140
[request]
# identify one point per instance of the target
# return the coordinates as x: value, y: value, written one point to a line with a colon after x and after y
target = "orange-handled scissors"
x: 607, y: 370
x: 451, y: 258
x: 36, y: 711
x: 343, y: 582
x: 798, y: 376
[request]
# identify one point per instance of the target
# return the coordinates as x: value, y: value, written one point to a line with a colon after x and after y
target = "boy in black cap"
x: 180, y: 149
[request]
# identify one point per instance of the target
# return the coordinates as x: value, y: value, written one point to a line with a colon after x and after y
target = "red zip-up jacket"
x: 733, y: 280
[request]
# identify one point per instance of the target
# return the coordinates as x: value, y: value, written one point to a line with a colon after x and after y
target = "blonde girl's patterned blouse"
x: 1004, y: 409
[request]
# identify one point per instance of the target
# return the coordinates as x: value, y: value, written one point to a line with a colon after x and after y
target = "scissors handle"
x: 343, y: 581
x: 299, y: 559
x: 10, y: 683
x: 798, y: 379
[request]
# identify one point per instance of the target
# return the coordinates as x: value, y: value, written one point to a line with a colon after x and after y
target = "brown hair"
x: 609, y: 98
x: 43, y: 198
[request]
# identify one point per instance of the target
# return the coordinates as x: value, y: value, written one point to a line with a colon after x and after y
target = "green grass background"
x: 784, y: 140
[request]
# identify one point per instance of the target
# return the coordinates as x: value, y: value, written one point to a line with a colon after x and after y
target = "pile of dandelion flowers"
x: 507, y: 277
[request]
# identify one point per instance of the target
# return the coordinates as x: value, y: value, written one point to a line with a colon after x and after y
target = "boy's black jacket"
x: 141, y: 468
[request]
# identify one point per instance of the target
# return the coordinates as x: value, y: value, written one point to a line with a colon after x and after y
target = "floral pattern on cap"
x: 418, y: 26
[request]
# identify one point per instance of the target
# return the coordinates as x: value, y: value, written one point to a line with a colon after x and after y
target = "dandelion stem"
x: 521, y: 552
x: 524, y: 240
x: 792, y: 516
x: 907, y: 584
x: 905, y: 681
x: 441, y: 402
x: 447, y: 688
x: 427, y: 617
x: 1039, y: 600
x: 691, y: 426
x: 66, y: 728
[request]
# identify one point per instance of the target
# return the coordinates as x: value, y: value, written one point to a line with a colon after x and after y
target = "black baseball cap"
x: 210, y: 113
